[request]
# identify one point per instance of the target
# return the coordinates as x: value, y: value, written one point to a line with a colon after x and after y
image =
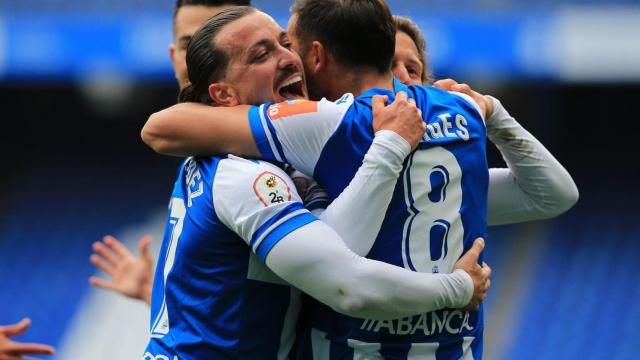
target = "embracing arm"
x: 535, y: 186
x: 197, y: 129
x: 314, y: 259
x: 357, y: 214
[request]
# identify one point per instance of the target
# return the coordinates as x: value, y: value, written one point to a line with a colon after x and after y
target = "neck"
x: 357, y: 82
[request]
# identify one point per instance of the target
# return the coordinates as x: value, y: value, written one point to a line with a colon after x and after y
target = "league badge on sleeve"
x: 271, y: 189
x: 292, y: 107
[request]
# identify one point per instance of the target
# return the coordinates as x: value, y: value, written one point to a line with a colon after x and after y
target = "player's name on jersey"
x: 194, y: 180
x: 447, y: 126
x: 437, y: 322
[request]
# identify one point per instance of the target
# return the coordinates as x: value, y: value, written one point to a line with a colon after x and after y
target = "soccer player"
x: 213, y: 296
x: 410, y: 64
x: 129, y: 275
x: 435, y: 214
x: 312, y: 140
x: 12, y: 350
x: 535, y: 185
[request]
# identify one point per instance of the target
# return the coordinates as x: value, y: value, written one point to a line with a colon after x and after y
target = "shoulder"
x: 308, y: 108
x: 448, y: 98
x: 263, y: 182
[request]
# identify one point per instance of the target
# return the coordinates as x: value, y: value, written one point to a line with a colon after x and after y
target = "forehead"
x: 243, y: 33
x: 405, y: 45
x: 190, y: 18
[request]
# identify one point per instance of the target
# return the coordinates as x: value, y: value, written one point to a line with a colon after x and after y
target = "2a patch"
x: 291, y: 107
x: 271, y: 189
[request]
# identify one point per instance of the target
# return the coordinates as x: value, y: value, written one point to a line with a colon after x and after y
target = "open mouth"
x: 292, y: 88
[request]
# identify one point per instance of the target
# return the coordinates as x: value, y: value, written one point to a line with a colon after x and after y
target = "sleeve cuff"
x: 270, y: 233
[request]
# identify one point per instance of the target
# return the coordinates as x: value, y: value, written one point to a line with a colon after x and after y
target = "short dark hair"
x: 210, y: 3
x: 413, y: 31
x: 356, y: 32
x: 206, y: 62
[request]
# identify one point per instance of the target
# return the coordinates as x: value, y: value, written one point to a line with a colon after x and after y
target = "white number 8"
x: 433, y: 235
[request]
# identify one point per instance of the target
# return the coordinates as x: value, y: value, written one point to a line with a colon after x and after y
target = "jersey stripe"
x: 272, y: 134
x: 365, y: 351
x: 288, y: 336
x: 287, y: 220
x: 423, y: 351
x: 263, y: 140
x: 320, y: 345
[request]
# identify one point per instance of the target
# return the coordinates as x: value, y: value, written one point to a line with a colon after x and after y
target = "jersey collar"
x: 397, y: 87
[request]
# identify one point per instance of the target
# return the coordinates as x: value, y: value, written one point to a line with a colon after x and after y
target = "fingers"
x: 117, y: 246
x: 378, y: 102
x: 16, y: 329
x: 476, y: 248
x: 143, y: 246
x: 486, y: 269
x: 98, y: 282
x: 102, y: 264
x: 102, y: 250
x: 29, y: 348
x: 462, y: 88
x: 402, y: 96
x: 445, y: 84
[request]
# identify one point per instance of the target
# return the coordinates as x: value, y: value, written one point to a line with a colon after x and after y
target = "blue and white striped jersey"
x: 438, y: 208
x: 213, y: 297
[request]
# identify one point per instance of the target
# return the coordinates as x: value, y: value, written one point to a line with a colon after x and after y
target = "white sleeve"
x: 535, y: 186
x: 358, y: 212
x: 295, y: 132
x: 257, y: 201
x: 314, y: 259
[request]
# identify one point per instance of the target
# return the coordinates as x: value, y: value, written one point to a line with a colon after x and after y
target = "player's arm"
x: 358, y: 212
x: 314, y: 259
x: 311, y: 256
x: 197, y: 129
x: 535, y: 185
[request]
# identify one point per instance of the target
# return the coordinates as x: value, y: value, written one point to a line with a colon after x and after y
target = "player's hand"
x: 11, y: 350
x: 479, y: 274
x: 485, y: 102
x: 401, y: 117
x: 130, y: 276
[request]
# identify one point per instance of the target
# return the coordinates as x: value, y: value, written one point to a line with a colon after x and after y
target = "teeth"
x: 292, y: 80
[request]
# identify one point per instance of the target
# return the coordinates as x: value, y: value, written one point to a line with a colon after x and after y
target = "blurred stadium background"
x: 79, y: 78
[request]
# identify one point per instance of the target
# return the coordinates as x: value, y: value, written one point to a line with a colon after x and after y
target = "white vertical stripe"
x: 265, y: 127
x: 423, y: 351
x: 467, y: 353
x: 320, y: 345
x: 365, y: 351
x: 288, y: 335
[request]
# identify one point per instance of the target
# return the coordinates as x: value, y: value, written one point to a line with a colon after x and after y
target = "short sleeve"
x: 296, y: 131
x: 257, y: 201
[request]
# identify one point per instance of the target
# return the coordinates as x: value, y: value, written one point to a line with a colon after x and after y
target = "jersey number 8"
x: 433, y: 234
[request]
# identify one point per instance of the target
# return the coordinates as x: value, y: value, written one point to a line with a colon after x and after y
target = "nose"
x: 400, y: 72
x: 288, y: 58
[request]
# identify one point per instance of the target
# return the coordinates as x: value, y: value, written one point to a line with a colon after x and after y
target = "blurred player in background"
x: 188, y: 133
x: 535, y: 185
x: 410, y: 63
x: 12, y: 350
x: 128, y: 275
x: 213, y: 296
